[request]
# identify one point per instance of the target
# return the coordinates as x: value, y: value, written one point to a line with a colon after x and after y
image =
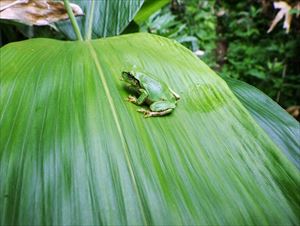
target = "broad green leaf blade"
x: 283, y: 129
x: 110, y: 17
x: 148, y: 8
x: 73, y: 151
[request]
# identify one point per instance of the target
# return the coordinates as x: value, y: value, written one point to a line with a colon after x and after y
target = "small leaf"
x: 257, y: 73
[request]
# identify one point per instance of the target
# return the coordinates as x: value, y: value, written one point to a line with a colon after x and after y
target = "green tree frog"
x: 152, y: 91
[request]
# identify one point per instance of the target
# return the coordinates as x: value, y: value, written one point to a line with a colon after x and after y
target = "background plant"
x: 269, y: 61
x: 236, y: 44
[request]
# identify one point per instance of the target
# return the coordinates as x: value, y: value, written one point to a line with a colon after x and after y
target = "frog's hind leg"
x: 162, y: 106
x: 158, y: 108
x: 148, y: 113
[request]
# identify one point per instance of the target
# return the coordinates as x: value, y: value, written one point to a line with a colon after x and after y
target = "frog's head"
x: 130, y: 77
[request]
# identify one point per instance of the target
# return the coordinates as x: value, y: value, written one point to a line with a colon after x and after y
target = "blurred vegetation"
x: 235, y: 42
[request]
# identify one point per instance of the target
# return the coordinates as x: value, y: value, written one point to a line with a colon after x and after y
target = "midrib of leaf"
x: 90, y: 21
x: 106, y: 11
x: 117, y: 122
x: 118, y: 18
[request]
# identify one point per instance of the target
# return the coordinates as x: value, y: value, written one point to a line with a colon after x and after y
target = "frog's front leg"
x: 177, y: 97
x: 142, y: 98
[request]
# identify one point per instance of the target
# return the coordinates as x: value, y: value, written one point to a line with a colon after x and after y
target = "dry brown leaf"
x: 283, y: 12
x: 36, y: 12
x: 294, y: 111
x: 6, y: 4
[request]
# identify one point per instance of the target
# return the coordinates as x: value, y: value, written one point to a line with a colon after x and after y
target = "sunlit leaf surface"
x: 74, y: 152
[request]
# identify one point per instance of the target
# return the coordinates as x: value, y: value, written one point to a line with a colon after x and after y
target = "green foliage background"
x: 270, y: 62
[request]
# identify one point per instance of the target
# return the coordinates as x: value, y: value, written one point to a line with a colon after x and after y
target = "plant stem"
x: 282, y: 76
x: 73, y: 20
x: 90, y: 23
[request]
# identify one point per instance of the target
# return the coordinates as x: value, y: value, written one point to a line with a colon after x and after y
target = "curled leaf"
x: 294, y: 111
x: 6, y: 4
x: 283, y: 12
x: 32, y: 12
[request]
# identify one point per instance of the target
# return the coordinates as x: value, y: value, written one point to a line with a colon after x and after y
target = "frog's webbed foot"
x: 131, y: 99
x: 148, y: 113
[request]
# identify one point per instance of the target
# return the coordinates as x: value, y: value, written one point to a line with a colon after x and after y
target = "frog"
x: 152, y: 91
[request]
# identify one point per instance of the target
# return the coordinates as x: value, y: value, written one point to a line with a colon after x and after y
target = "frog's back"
x: 156, y: 89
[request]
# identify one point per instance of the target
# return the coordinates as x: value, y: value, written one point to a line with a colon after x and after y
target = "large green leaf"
x: 278, y: 124
x: 110, y: 17
x: 74, y: 152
